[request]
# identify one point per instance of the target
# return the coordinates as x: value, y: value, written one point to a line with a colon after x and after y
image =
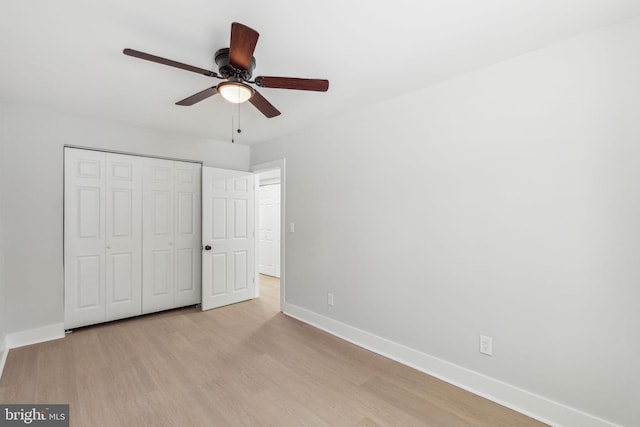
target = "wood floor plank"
x: 20, y: 372
x: 413, y: 404
x: 366, y: 422
x: 242, y: 365
x: 56, y: 374
x: 307, y: 391
x: 224, y: 393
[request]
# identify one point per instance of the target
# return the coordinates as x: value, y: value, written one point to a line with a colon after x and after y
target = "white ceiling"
x: 67, y: 54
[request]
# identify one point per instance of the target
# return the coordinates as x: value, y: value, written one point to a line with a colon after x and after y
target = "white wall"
x: 32, y: 203
x: 3, y: 329
x: 505, y: 202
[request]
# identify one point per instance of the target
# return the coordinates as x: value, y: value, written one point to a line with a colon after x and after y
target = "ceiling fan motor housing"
x: 226, y: 70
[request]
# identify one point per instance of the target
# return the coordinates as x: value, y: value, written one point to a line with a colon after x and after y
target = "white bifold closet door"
x: 171, y: 235
x: 102, y: 237
x: 132, y: 236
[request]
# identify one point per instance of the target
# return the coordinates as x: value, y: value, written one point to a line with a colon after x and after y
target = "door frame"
x: 265, y: 167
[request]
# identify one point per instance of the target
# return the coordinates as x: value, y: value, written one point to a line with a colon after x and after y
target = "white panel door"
x: 228, y: 272
x: 269, y: 230
x: 84, y: 237
x: 158, y: 238
x: 124, y: 236
x: 188, y: 234
x: 276, y: 226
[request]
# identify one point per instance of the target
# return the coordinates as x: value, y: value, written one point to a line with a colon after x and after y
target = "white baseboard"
x: 523, y: 401
x: 28, y: 337
x: 35, y: 336
x: 4, y: 351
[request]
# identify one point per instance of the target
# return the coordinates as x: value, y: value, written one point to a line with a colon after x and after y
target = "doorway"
x: 270, y: 209
x: 269, y: 223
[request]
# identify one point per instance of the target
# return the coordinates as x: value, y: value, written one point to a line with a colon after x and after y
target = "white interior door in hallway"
x: 269, y: 230
x: 228, y: 237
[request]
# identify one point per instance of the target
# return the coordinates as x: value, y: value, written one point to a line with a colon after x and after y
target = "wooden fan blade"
x: 198, y: 96
x: 169, y: 62
x: 265, y: 107
x: 317, y: 85
x: 243, y: 43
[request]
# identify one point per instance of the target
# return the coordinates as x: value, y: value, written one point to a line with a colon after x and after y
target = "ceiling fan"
x: 235, y: 66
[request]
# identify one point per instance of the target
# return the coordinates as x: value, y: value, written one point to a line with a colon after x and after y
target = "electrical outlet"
x: 329, y: 299
x: 292, y: 227
x: 486, y: 345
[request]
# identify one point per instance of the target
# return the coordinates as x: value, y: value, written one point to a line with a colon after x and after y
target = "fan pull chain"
x: 232, y: 125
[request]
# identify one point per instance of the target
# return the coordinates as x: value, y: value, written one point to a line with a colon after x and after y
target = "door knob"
x: 207, y: 248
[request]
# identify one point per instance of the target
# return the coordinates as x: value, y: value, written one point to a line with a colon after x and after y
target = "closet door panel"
x: 124, y: 237
x: 158, y: 236
x: 123, y: 279
x: 185, y: 280
x: 84, y: 237
x: 188, y: 236
x: 88, y: 274
x: 161, y: 273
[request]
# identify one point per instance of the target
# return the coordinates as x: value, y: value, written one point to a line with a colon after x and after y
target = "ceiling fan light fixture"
x: 235, y: 92
x: 236, y: 64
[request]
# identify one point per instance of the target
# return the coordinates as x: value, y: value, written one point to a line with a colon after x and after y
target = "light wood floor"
x: 242, y: 365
